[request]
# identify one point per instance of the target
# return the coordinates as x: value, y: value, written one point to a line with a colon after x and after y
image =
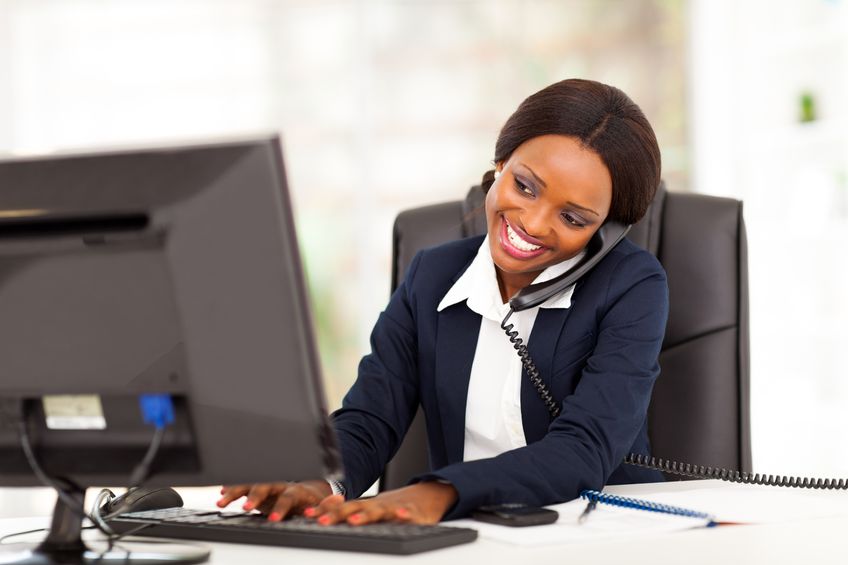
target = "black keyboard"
x: 210, y: 525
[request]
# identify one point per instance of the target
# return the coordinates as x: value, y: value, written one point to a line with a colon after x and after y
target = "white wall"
x: 90, y: 73
x: 386, y: 105
x: 383, y: 105
x: 750, y: 63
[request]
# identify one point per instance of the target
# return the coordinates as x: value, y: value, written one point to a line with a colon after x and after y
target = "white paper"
x: 605, y: 522
x: 754, y: 504
x: 743, y: 504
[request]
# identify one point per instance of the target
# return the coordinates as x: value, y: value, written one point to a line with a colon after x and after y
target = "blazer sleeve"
x: 599, y: 422
x: 379, y: 407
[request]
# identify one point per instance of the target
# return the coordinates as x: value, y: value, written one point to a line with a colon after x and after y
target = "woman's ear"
x: 488, y: 180
x: 490, y: 176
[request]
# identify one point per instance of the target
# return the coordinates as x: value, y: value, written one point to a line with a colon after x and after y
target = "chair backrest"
x: 699, y: 411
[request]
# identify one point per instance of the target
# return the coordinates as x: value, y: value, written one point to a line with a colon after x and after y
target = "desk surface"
x: 817, y: 541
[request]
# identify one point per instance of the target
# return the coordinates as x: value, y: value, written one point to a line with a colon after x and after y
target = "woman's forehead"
x: 564, y: 163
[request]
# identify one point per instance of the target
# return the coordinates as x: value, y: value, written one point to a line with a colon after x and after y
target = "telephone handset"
x: 604, y: 241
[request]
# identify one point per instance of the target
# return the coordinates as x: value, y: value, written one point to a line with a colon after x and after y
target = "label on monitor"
x: 73, y: 412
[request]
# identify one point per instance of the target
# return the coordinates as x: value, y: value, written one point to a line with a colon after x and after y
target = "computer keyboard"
x: 210, y: 525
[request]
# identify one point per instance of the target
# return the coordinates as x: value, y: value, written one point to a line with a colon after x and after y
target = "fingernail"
x: 248, y: 505
x: 324, y: 520
x: 275, y: 516
x: 355, y: 518
x: 221, y: 502
x: 402, y: 513
x: 309, y: 512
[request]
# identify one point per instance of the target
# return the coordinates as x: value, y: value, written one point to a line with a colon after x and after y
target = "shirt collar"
x: 478, y: 285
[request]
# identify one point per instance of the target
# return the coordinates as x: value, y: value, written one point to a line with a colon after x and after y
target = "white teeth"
x: 518, y: 242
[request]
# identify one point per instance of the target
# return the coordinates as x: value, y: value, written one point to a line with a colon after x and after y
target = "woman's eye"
x: 523, y: 187
x: 573, y: 220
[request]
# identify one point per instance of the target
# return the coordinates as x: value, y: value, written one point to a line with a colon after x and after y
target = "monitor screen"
x: 172, y: 272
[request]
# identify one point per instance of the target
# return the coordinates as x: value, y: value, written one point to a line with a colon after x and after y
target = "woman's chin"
x: 510, y: 265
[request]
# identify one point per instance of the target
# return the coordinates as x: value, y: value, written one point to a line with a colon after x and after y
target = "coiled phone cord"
x: 530, y: 367
x: 701, y: 472
x: 665, y: 465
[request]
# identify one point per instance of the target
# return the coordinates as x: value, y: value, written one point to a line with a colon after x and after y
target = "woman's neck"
x: 510, y: 283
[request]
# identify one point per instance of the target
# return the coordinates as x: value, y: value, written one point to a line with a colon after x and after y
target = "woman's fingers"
x: 368, y: 511
x: 339, y: 511
x: 326, y: 505
x: 422, y: 503
x: 230, y: 493
x: 277, y: 500
x: 257, y: 495
x: 295, y: 498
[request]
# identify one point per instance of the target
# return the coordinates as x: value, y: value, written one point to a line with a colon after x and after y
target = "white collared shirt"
x: 493, y: 407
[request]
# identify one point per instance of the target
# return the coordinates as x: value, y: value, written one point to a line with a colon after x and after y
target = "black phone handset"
x: 604, y: 241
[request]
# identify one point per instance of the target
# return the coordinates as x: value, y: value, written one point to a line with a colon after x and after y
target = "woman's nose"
x: 536, y: 223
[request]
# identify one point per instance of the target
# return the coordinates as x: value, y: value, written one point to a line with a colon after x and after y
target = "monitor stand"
x: 63, y: 545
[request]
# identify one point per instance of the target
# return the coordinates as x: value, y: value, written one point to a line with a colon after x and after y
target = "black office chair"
x: 699, y: 411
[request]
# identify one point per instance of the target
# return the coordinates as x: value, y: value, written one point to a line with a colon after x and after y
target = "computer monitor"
x: 169, y: 275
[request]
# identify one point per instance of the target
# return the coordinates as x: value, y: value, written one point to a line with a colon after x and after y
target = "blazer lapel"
x: 542, y: 346
x: 456, y: 342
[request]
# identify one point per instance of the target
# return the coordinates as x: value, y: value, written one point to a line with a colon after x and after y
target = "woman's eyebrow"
x: 540, y: 181
x: 579, y: 207
x: 535, y: 176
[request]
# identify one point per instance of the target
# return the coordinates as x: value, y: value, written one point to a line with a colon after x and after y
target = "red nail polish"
x: 248, y: 505
x: 402, y: 513
x: 275, y: 516
x: 309, y: 512
x: 324, y: 520
x: 355, y: 518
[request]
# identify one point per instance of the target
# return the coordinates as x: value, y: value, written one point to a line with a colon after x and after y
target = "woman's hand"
x: 278, y: 500
x: 422, y: 503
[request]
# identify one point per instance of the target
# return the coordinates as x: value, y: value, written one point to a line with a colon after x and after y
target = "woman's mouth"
x: 516, y: 244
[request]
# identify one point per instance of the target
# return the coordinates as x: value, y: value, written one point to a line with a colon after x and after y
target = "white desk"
x: 810, y: 541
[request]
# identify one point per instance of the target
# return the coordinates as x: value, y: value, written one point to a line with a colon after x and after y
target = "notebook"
x: 737, y: 504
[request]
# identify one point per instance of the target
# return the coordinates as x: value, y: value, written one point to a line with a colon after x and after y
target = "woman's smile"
x: 517, y: 243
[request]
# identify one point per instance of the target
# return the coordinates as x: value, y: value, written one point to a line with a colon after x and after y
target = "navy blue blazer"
x: 598, y: 357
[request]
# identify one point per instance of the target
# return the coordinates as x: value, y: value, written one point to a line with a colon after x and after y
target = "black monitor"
x: 156, y: 287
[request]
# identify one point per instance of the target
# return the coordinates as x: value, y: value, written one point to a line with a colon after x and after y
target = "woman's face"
x: 551, y: 196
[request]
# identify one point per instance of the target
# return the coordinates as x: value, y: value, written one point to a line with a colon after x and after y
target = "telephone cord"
x: 530, y: 367
x: 733, y: 476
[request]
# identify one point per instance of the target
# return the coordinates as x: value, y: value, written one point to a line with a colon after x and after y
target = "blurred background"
x: 390, y: 104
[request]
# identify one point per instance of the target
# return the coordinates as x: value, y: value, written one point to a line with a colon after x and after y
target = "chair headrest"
x: 646, y: 232
x: 474, y: 212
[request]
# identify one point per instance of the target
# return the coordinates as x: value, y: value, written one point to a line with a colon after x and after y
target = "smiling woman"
x: 572, y: 157
x: 535, y: 223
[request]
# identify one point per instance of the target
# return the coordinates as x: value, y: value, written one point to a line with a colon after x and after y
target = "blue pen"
x: 589, y: 507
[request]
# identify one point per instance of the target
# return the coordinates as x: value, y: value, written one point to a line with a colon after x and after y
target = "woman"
x: 573, y: 156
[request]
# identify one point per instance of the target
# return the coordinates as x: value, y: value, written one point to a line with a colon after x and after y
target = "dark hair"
x: 606, y: 121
